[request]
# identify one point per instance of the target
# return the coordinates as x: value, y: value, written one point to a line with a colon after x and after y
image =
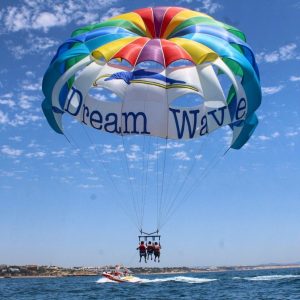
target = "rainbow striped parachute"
x: 150, y: 58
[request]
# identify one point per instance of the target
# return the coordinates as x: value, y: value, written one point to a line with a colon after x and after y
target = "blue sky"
x: 58, y: 204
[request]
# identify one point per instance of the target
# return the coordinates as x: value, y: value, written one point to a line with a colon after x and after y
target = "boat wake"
x: 268, y: 277
x: 183, y: 279
x: 105, y: 280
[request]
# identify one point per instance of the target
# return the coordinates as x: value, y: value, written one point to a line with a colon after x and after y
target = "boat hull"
x: 121, y: 279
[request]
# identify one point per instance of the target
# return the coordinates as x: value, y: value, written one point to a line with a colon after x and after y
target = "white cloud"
x: 208, y: 6
x: 181, y: 155
x: 292, y: 133
x: 46, y: 20
x: 198, y: 156
x: 90, y: 186
x: 98, y: 96
x: 3, y: 118
x: 172, y: 145
x: 9, y: 102
x: 23, y: 119
x: 108, y: 149
x: 24, y: 104
x: 26, y: 101
x: 33, y: 144
x: 38, y: 154
x: 133, y: 156
x: 275, y: 134
x: 30, y: 74
x: 113, y: 11
x: 295, y: 78
x: 31, y: 86
x: 286, y: 52
x: 59, y: 153
x: 7, y: 150
x: 271, y: 57
x: 6, y: 99
x: 41, y: 44
x: 44, y: 15
x: 15, y: 138
x: 263, y: 138
x: 154, y: 156
x: 135, y: 148
x: 271, y: 90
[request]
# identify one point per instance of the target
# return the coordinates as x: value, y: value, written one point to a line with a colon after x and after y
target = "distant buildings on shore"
x: 7, y: 271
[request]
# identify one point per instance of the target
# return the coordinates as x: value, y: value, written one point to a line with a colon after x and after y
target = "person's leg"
x: 140, y: 257
x: 158, y: 257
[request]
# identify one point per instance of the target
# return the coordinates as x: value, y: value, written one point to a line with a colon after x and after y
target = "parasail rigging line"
x: 216, y: 159
x: 100, y: 159
x: 175, y: 196
x: 125, y: 160
x: 197, y: 181
x: 144, y: 177
x: 145, y: 183
x: 161, y: 200
x: 75, y: 145
x: 157, y: 182
x: 134, y: 201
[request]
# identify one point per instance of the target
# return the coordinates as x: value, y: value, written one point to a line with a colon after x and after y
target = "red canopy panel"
x: 169, y: 15
x: 173, y: 52
x: 147, y: 16
x: 132, y: 51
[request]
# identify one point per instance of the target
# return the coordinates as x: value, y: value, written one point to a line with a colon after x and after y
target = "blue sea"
x: 278, y: 284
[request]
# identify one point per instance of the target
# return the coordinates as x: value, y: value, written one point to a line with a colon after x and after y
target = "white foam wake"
x: 105, y: 280
x: 184, y: 279
x: 271, y: 277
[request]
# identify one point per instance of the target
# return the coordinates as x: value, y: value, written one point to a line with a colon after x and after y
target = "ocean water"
x: 264, y: 284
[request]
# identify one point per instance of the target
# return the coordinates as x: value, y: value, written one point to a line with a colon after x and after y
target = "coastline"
x: 139, y: 271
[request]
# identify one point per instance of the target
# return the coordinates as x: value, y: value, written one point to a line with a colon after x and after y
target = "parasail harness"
x: 145, y: 236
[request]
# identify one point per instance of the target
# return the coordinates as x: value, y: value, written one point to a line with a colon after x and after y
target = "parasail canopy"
x: 149, y: 58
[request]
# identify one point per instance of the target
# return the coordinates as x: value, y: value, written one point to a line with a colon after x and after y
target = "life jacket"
x: 156, y: 249
x: 142, y: 248
x: 150, y: 248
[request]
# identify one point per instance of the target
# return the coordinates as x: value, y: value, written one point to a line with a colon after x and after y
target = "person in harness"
x: 142, y: 248
x: 150, y: 249
x: 156, y: 250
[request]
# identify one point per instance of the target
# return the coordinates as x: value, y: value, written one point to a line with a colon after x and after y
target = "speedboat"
x: 120, y: 277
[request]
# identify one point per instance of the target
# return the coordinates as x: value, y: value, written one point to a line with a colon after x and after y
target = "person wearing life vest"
x: 117, y: 272
x: 150, y: 249
x: 142, y: 248
x: 156, y: 250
